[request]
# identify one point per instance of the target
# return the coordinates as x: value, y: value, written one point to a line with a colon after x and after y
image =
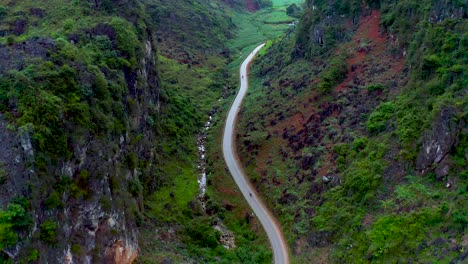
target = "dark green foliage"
x: 375, y: 87
x: 33, y: 255
x: 3, y: 11
x: 78, y: 250
x: 333, y: 75
x: 293, y: 10
x: 360, y: 144
x: 378, y: 119
x: 54, y: 201
x: 48, y: 232
x: 7, y: 236
x: 15, y: 219
x: 127, y: 40
x: 400, y: 235
x: 134, y: 187
x: 3, y: 175
x: 131, y: 160
x: 202, y: 234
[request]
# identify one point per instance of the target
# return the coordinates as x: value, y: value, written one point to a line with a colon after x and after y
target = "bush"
x: 3, y: 11
x: 54, y: 201
x: 335, y: 73
x: 400, y: 234
x: 131, y: 160
x: 33, y: 255
x: 375, y: 87
x: 293, y: 10
x: 8, y: 237
x: 127, y: 40
x: 360, y: 143
x: 14, y: 219
x: 202, y: 233
x: 3, y: 175
x: 378, y: 119
x: 48, y: 232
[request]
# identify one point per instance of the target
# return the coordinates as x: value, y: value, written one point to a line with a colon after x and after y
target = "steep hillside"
x: 100, y: 106
x: 189, y: 32
x: 355, y: 131
x: 78, y: 99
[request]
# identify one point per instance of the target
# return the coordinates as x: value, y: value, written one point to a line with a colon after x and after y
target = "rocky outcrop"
x: 321, y: 27
x: 121, y: 253
x: 437, y: 143
x: 17, y: 55
x: 447, y: 9
x: 86, y: 195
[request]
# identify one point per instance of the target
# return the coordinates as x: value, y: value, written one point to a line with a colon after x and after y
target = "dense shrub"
x: 48, y: 232
x: 333, y: 75
x: 13, y: 220
x: 378, y: 119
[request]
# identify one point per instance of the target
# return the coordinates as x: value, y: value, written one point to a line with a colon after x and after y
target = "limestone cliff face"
x: 93, y: 195
x: 438, y: 142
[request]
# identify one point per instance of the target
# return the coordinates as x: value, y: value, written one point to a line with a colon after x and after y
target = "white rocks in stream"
x: 202, y: 162
x: 202, y: 184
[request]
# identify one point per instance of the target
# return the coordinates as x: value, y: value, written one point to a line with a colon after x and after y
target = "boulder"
x: 437, y: 143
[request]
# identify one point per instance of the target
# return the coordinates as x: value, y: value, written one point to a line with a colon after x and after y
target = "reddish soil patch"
x: 251, y: 5
x: 372, y: 24
x: 368, y: 44
x: 262, y: 158
x: 226, y: 191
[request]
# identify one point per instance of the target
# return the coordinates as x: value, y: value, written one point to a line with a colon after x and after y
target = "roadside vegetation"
x: 337, y: 127
x: 66, y: 83
x: 176, y: 202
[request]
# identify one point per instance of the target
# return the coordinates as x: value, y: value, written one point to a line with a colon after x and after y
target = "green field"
x: 277, y: 3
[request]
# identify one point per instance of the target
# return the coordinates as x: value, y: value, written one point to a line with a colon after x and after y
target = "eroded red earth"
x: 370, y: 61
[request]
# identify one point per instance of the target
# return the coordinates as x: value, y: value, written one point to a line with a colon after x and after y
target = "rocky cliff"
x: 76, y: 117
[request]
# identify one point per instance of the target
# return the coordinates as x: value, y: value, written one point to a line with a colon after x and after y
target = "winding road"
x: 269, y: 223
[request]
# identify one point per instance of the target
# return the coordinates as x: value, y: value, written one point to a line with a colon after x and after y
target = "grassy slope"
x: 314, y: 130
x: 267, y: 24
x: 187, y: 95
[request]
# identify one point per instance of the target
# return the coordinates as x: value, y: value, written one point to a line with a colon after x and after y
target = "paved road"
x: 269, y: 223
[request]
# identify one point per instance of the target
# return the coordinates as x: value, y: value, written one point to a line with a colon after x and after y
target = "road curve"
x: 269, y: 223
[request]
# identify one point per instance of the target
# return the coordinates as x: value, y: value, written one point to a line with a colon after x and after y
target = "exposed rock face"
x: 121, y: 253
x: 437, y: 144
x: 13, y: 161
x: 318, y: 35
x: 96, y: 221
x: 447, y: 9
x: 16, y: 56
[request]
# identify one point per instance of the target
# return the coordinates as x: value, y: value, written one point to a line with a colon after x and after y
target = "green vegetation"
x: 113, y: 95
x: 174, y: 200
x: 378, y: 119
x: 346, y: 110
x: 14, y: 220
x: 282, y: 3
x: 48, y: 232
x: 333, y: 75
x: 267, y: 24
x: 375, y: 87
